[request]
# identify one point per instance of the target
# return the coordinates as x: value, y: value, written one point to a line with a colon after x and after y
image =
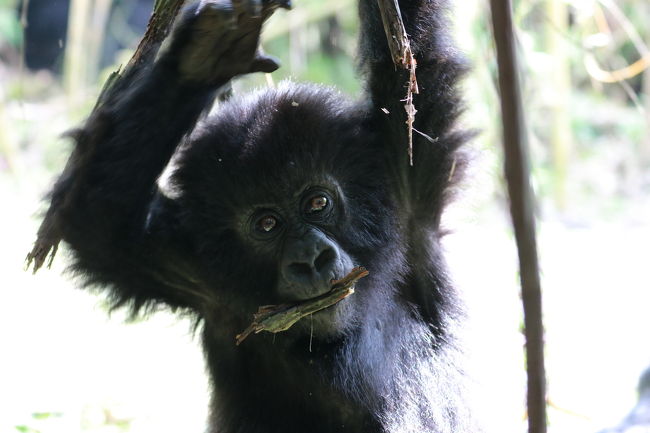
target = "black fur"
x: 384, y: 359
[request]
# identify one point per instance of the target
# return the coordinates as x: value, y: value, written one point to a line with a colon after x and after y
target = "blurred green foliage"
x: 10, y: 28
x: 605, y: 125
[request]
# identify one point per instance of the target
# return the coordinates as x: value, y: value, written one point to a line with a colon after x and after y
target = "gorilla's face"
x: 284, y: 236
x: 299, y: 236
x: 300, y: 232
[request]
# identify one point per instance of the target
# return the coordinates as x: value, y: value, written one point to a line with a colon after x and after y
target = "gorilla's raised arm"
x: 421, y: 188
x: 101, y: 204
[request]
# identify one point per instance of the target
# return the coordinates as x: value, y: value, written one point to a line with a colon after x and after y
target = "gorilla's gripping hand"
x: 215, y: 40
x: 102, y: 203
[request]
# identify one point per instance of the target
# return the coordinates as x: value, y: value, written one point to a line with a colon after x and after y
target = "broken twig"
x: 278, y: 318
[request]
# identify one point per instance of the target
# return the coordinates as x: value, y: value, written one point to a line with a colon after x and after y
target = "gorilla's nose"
x: 309, y: 263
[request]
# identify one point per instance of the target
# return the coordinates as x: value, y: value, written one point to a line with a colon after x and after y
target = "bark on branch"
x: 517, y: 174
x: 400, y: 50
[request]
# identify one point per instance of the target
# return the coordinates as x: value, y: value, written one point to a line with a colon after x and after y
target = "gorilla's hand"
x: 216, y: 40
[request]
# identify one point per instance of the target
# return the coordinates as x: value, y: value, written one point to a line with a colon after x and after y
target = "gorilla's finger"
x: 270, y: 6
x: 264, y: 63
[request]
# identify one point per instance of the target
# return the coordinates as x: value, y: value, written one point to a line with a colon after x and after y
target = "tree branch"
x: 400, y: 50
x: 517, y: 174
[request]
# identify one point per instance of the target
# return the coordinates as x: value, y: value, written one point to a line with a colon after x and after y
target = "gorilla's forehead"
x: 270, y: 146
x: 301, y: 122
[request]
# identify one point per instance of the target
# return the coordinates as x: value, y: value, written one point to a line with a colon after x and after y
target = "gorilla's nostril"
x: 324, y: 258
x: 300, y: 269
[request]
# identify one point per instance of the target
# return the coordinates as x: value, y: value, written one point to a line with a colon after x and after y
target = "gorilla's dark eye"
x: 317, y: 204
x: 266, y: 224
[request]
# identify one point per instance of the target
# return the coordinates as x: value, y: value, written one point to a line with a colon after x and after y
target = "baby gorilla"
x: 270, y: 199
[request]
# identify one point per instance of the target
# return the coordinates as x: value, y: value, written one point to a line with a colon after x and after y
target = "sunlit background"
x: 65, y: 366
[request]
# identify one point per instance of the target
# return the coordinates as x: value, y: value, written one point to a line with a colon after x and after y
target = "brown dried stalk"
x: 402, y: 55
x: 278, y: 318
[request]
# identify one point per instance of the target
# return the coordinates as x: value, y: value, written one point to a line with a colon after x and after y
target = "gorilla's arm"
x: 420, y: 189
x: 103, y: 204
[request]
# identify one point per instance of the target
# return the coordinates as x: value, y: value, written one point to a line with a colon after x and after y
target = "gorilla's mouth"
x: 278, y: 318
